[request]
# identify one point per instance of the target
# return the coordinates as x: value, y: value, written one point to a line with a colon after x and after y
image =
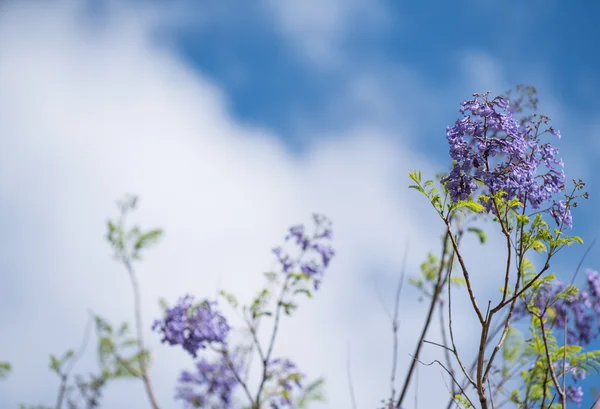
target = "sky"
x: 233, y: 121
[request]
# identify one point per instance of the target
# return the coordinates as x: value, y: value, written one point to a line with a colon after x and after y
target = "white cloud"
x: 319, y: 29
x: 87, y: 115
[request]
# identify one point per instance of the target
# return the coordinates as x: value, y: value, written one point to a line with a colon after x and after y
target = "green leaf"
x: 148, y: 238
x: 415, y: 175
x: 538, y: 246
x: 230, y: 298
x: 463, y: 401
x: 304, y: 291
x: 288, y: 307
x: 313, y: 392
x: 480, y: 234
x: 5, y: 369
x: 123, y: 329
x: 162, y: 302
x: 55, y: 363
x: 271, y: 277
x: 458, y: 281
x: 522, y: 219
x: 417, y: 282
x: 469, y: 204
x: 68, y: 355
x: 103, y: 325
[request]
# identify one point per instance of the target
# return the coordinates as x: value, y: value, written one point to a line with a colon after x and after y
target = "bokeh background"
x: 233, y: 120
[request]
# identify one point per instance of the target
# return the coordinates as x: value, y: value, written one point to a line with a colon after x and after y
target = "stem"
x: 349, y: 374
x: 238, y: 377
x: 465, y: 273
x: 561, y: 393
x: 265, y: 358
x: 65, y: 376
x: 395, y: 327
x: 140, y: 332
x: 434, y: 298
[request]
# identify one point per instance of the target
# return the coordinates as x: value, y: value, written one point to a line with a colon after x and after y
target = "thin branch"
x: 238, y: 378
x: 594, y: 404
x: 349, y: 374
x: 446, y: 369
x: 582, y: 259
x: 454, y: 350
x: 395, y: 325
x: 436, y: 293
x: 491, y: 397
x: 564, y: 374
x: 140, y: 332
x: 561, y: 393
x: 439, y: 345
x: 265, y: 358
x: 465, y: 274
x: 445, y: 340
x: 65, y: 376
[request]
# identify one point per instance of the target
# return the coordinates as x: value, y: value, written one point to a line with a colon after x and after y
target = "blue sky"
x: 233, y: 121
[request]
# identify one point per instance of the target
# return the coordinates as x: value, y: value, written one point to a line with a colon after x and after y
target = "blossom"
x: 210, y: 386
x: 490, y: 147
x: 578, y: 313
x: 192, y: 325
x: 287, y: 378
x: 561, y: 214
x: 315, y: 246
x: 574, y: 394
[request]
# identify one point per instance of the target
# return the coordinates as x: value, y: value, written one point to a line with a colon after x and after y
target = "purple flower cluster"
x: 211, y: 386
x: 313, y: 268
x: 582, y: 311
x: 577, y: 373
x: 288, y: 377
x: 490, y: 133
x: 574, y: 394
x: 192, y: 325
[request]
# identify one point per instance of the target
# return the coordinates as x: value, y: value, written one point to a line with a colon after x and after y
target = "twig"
x: 446, y: 369
x: 439, y: 345
x: 349, y: 374
x: 140, y: 332
x: 561, y: 393
x: 238, y: 378
x: 65, y: 376
x: 395, y: 325
x: 436, y: 293
x: 265, y: 358
x: 465, y: 274
x: 454, y: 350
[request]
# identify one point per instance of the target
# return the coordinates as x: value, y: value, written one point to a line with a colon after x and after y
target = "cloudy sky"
x: 234, y: 120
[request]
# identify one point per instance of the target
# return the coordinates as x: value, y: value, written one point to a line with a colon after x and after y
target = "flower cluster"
x: 211, y: 386
x: 287, y: 377
x: 192, y: 325
x: 576, y: 372
x: 580, y: 310
x: 490, y: 133
x: 574, y: 394
x: 313, y: 268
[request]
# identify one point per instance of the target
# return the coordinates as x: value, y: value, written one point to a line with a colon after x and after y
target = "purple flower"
x: 284, y: 259
x: 561, y: 214
x: 576, y: 372
x: 580, y: 311
x: 313, y: 245
x: 593, y: 279
x: 192, y: 325
x: 210, y: 386
x: 287, y: 378
x: 489, y: 146
x: 574, y: 394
